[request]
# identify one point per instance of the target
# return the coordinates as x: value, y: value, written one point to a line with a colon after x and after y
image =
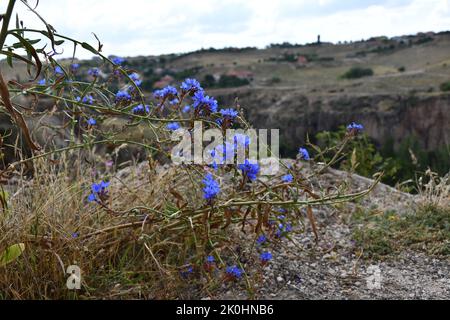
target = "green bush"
x: 445, y: 86
x: 357, y: 72
x: 224, y: 82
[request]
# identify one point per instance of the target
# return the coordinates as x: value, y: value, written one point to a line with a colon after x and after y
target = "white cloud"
x: 145, y: 27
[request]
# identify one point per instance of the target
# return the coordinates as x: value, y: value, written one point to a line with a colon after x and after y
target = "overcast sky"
x: 149, y: 27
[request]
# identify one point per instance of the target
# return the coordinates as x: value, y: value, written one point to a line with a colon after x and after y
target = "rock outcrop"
x: 387, y: 118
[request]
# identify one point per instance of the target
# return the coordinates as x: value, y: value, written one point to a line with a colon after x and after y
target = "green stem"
x: 6, y: 19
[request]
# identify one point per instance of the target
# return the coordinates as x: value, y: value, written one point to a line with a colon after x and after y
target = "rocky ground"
x: 334, y: 268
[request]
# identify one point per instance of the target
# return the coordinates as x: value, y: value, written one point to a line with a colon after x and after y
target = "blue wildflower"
x: 265, y: 257
x: 59, y: 71
x: 204, y: 103
x: 241, y: 139
x: 287, y: 178
x: 234, y: 271
x: 141, y: 109
x: 261, y: 239
x: 94, y: 72
x: 211, y: 187
x: 288, y: 227
x: 92, y: 122
x: 355, y: 127
x: 75, y: 235
x: 249, y: 169
x: 304, y: 154
x: 98, y: 191
x: 122, y: 95
x: 187, y: 271
x: 283, y: 228
x: 210, y: 259
x: 42, y: 82
x: 173, y: 126
x: 118, y: 60
x: 223, y: 153
x: 190, y: 85
x: 167, y: 92
x: 74, y: 67
x: 136, y: 79
x: 134, y: 76
x: 229, y: 113
x: 174, y: 102
x: 186, y: 109
x: 86, y: 99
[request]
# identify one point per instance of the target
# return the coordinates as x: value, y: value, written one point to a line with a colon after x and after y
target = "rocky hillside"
x: 388, y: 118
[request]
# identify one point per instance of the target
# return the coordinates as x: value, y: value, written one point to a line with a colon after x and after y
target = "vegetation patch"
x: 380, y: 234
x: 445, y: 86
x: 357, y: 72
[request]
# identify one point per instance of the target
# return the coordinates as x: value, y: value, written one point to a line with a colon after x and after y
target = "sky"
x: 150, y: 27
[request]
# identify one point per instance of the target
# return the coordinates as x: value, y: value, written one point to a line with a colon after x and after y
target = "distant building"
x: 302, y: 61
x: 241, y: 74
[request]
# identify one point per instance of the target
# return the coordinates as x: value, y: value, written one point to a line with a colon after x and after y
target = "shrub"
x: 357, y: 72
x: 445, y: 86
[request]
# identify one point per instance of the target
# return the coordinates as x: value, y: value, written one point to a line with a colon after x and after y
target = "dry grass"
x: 117, y: 248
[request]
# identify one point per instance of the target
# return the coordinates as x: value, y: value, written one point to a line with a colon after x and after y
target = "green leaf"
x: 9, y: 61
x: 88, y: 47
x: 11, y: 254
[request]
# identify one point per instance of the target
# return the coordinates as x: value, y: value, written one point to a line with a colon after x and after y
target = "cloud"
x: 148, y: 27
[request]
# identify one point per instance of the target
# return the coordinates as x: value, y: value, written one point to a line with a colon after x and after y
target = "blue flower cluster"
x: 303, y: 154
x: 188, y: 271
x: 123, y: 96
x: 211, y: 187
x: 283, y: 228
x: 287, y: 178
x: 94, y: 72
x: 229, y: 113
x: 234, y: 271
x: 92, y: 122
x: 204, y: 103
x: 191, y: 85
x: 265, y: 257
x: 98, y: 190
x: 88, y: 99
x: 136, y: 79
x: 59, y: 71
x: 241, y: 140
x: 355, y: 127
x: 167, y: 92
x: 74, y: 67
x: 222, y: 154
x: 261, y: 239
x: 173, y: 126
x: 141, y: 109
x: 249, y: 169
x: 118, y: 60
